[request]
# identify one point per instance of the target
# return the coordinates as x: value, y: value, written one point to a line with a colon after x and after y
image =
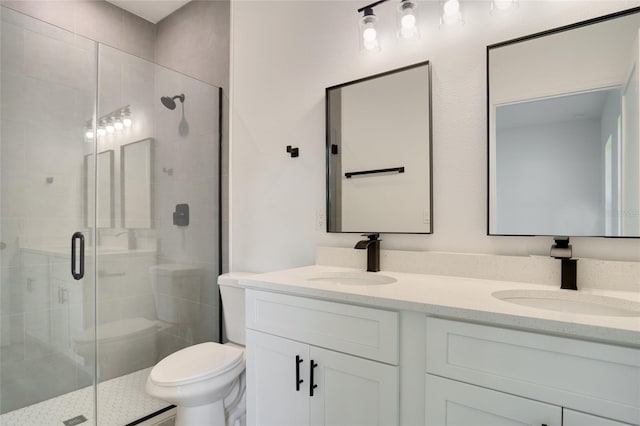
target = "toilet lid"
x: 117, y: 330
x: 197, y: 362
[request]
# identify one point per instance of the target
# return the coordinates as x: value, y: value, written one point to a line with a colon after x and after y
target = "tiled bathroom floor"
x: 120, y: 401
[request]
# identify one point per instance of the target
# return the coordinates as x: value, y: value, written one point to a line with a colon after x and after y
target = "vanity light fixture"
x: 368, y: 31
x: 407, y: 19
x: 451, y: 13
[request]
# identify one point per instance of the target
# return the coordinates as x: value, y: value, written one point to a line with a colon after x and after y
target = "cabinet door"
x: 451, y: 403
x: 352, y: 391
x: 272, y: 398
x: 574, y: 418
x: 35, y: 293
x: 60, y: 321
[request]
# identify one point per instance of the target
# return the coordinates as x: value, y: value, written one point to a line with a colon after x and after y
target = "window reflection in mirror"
x: 104, y: 189
x: 379, y: 153
x: 563, y: 131
x: 136, y: 184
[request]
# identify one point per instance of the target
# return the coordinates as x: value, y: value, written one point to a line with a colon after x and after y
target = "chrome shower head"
x: 169, y: 101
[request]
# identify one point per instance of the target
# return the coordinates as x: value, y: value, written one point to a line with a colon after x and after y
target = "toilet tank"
x: 176, y: 287
x: 233, y: 306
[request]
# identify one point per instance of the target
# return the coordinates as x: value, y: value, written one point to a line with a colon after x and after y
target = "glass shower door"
x: 157, y: 267
x: 48, y: 86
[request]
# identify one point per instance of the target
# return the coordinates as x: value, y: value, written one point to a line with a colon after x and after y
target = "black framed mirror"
x: 563, y: 126
x: 379, y: 145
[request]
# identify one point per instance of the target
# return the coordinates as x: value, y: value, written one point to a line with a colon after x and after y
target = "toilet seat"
x: 196, y: 363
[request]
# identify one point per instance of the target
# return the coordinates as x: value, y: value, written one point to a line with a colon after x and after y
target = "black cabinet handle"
x: 299, y: 381
x: 312, y: 386
x: 78, y: 273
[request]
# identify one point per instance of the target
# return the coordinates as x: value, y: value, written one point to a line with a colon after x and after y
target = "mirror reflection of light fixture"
x: 126, y: 116
x: 369, y: 34
x: 451, y: 13
x: 503, y: 6
x: 113, y: 122
x: 407, y: 19
x: 88, y: 131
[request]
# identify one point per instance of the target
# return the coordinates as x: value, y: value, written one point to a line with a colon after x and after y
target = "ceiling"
x: 151, y: 10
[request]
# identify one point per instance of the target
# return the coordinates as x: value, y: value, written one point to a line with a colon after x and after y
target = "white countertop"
x: 455, y: 297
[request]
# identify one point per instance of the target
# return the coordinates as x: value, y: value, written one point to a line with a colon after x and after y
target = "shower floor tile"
x: 120, y: 401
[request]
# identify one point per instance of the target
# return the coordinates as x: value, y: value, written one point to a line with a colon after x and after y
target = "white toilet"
x: 206, y: 381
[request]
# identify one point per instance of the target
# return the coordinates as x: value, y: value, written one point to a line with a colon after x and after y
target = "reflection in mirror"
x: 563, y: 131
x: 379, y: 153
x: 104, y: 189
x: 136, y: 177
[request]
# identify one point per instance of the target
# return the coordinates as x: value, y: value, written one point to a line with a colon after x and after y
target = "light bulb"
x: 451, y: 12
x: 451, y: 7
x: 89, y: 134
x: 408, y: 21
x: 369, y: 34
x: 118, y: 125
x: 110, y: 128
x: 127, y: 122
x: 101, y: 131
x: 503, y: 6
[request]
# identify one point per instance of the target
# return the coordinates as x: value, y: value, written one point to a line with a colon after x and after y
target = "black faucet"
x: 561, y: 249
x: 372, y: 244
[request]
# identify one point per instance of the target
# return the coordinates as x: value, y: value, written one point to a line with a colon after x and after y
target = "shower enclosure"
x: 88, y: 147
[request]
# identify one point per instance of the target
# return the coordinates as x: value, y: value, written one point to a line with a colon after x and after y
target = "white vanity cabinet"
x: 313, y: 362
x: 498, y: 376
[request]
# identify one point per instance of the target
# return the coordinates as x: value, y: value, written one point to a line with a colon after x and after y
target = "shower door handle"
x: 77, y: 271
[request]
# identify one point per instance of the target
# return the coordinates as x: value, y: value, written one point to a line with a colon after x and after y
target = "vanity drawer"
x: 365, y: 332
x: 586, y: 376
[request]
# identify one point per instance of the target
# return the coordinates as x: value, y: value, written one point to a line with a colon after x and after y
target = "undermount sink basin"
x: 571, y: 302
x: 353, y: 278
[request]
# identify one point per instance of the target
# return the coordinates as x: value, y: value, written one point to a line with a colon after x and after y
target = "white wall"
x: 283, y: 56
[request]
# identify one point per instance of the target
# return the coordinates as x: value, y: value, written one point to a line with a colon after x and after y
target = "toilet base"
x: 201, y: 415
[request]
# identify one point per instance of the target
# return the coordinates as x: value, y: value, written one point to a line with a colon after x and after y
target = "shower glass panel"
x: 48, y: 92
x: 73, y: 113
x: 159, y: 295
